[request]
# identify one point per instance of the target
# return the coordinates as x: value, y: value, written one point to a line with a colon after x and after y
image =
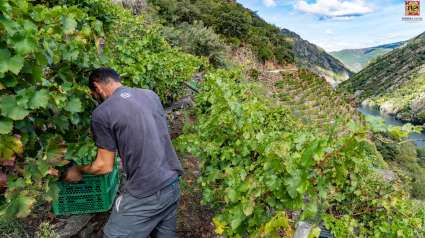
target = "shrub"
x: 199, y: 40
x: 421, y: 116
x: 283, y: 54
x: 407, y: 153
x: 373, y: 155
x: 254, y: 73
x: 388, y: 151
x: 264, y: 53
x: 421, y: 156
x: 234, y: 41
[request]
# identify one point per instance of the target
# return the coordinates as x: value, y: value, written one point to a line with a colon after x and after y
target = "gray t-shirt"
x: 132, y: 120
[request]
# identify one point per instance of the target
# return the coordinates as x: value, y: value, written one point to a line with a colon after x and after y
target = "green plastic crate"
x: 91, y: 194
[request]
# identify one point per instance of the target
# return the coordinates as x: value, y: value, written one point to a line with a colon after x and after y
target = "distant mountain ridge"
x: 357, y: 58
x: 394, y: 82
x: 316, y: 59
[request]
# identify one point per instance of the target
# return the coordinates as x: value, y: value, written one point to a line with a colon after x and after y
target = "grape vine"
x: 258, y: 163
x: 46, y: 56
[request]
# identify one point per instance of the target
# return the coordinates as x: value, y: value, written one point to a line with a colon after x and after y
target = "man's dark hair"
x: 104, y: 76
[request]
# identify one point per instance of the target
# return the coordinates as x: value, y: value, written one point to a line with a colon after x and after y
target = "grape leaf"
x: 69, y: 24
x: 24, y: 42
x: 307, y: 157
x: 19, y: 204
x: 73, y: 105
x: 296, y: 181
x: 385, y: 227
x: 314, y: 233
x: 377, y: 124
x: 41, y: 58
x: 233, y: 195
x: 321, y: 185
x: 36, y: 99
x: 35, y: 174
x: 68, y: 53
x: 55, y: 149
x: 8, y: 24
x: 8, y: 146
x: 220, y: 225
x: 13, y: 64
x: 9, y: 80
x: 4, y: 6
x: 49, y: 46
x: 248, y: 208
x: 53, y: 193
x: 19, y: 182
x: 22, y: 6
x: 309, y: 210
x: 6, y: 125
x: 43, y: 167
x: 65, y: 74
x: 2, y: 86
x: 341, y: 172
x: 236, y: 221
x: 10, y: 108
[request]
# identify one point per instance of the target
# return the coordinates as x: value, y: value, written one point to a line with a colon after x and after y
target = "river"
x: 391, y: 120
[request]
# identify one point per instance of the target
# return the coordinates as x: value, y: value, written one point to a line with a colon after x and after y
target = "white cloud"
x: 341, y: 18
x: 329, y: 32
x: 336, y: 9
x: 269, y: 3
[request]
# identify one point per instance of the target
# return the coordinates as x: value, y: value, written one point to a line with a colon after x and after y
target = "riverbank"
x: 392, y: 120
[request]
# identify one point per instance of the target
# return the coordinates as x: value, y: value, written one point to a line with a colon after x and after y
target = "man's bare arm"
x: 103, y: 164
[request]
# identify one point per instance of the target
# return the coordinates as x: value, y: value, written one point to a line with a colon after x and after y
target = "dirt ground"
x: 193, y: 219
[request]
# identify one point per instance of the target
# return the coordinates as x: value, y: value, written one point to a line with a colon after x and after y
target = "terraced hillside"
x: 312, y: 99
x: 395, y: 82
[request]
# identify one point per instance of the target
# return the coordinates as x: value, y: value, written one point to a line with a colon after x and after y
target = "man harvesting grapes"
x: 133, y: 122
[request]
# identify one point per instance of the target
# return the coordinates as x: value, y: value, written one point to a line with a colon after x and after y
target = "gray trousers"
x: 155, y: 215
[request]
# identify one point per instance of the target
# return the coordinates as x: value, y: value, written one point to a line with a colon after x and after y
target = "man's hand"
x: 73, y: 174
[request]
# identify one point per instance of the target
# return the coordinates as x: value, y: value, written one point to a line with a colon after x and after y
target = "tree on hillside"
x: 231, y: 20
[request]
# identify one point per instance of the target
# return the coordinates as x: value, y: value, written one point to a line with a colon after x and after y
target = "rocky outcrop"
x: 138, y: 7
x: 317, y: 59
x: 244, y: 55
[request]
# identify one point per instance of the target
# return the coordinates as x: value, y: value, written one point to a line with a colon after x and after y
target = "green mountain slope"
x: 394, y: 82
x: 357, y: 58
x: 316, y: 59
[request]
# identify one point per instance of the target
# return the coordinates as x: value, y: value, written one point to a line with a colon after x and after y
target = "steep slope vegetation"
x: 394, y: 82
x: 317, y: 59
x: 357, y: 58
x: 203, y: 27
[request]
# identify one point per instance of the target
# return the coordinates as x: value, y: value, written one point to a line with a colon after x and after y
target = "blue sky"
x: 340, y: 24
